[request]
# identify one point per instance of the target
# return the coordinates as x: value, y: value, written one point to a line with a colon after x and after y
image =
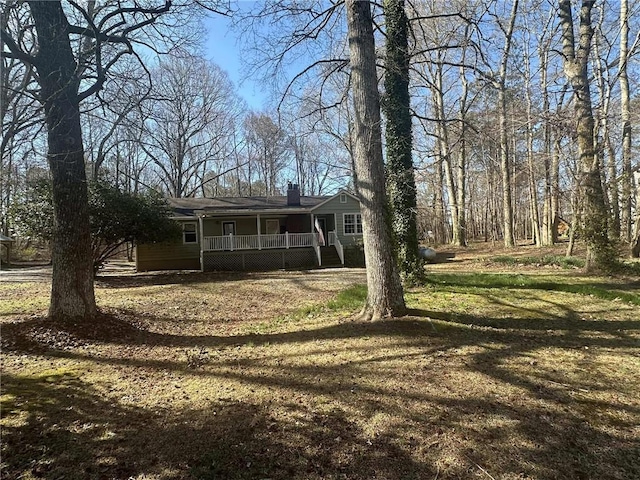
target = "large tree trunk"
x: 385, y: 295
x: 600, y: 254
x: 72, y: 294
x: 401, y: 183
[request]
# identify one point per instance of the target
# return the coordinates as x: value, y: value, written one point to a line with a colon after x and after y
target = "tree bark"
x: 505, y: 167
x: 602, y: 138
x: 460, y: 233
x: 555, y: 187
x: 440, y: 232
x: 401, y: 184
x: 600, y: 253
x: 533, y: 184
x: 635, y: 238
x: 72, y: 294
x: 444, y: 153
x: 385, y: 295
x: 625, y: 100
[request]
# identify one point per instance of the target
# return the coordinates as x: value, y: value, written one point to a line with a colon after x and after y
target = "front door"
x: 228, y: 228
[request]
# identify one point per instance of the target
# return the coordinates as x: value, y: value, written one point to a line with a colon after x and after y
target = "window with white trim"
x: 352, y: 224
x: 272, y: 226
x: 343, y: 198
x: 189, y: 232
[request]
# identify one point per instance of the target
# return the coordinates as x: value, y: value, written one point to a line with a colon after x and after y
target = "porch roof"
x: 242, y: 205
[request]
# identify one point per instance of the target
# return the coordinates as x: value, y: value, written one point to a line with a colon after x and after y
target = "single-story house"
x: 258, y: 233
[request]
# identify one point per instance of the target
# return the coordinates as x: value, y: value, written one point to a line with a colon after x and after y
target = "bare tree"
x: 267, y: 149
x: 115, y: 114
x: 21, y: 117
x: 385, y: 295
x: 505, y: 165
x: 625, y: 101
x: 533, y: 187
x: 188, y: 122
x: 600, y: 254
x: 73, y: 48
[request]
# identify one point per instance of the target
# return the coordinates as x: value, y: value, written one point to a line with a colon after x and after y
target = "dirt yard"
x: 501, y: 371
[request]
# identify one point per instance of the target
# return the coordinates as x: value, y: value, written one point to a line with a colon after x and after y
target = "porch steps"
x: 330, y: 257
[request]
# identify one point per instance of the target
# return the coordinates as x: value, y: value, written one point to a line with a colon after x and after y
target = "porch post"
x: 286, y: 236
x: 313, y: 225
x: 201, y: 225
x: 259, y: 238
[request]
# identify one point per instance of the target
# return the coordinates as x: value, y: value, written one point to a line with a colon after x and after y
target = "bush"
x: 116, y: 218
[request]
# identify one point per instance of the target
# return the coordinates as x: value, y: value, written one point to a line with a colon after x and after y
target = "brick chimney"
x: 293, y: 194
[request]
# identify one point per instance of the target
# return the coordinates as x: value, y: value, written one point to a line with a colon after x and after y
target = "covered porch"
x: 233, y: 240
x: 286, y: 240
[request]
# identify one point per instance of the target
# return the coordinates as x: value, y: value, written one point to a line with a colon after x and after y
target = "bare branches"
x: 14, y: 50
x: 337, y: 64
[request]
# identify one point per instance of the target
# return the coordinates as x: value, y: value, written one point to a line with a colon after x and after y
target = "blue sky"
x: 222, y: 47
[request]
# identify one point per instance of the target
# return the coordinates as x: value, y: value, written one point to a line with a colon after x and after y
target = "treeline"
x: 495, y: 144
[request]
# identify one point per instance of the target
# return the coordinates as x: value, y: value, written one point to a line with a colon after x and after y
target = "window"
x: 352, y: 224
x: 189, y: 233
x: 343, y: 198
x: 273, y: 226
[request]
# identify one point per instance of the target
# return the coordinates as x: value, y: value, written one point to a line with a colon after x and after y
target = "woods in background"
x: 497, y: 154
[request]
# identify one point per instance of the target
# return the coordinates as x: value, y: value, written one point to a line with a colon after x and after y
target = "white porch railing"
x: 258, y: 242
x: 335, y: 241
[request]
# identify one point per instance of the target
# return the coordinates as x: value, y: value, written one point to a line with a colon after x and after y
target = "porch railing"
x: 336, y: 243
x: 258, y: 242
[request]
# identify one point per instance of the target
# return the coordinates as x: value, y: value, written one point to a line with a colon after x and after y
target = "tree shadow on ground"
x: 195, y: 277
x: 546, y: 426
x: 628, y: 291
x: 166, y: 278
x: 67, y: 429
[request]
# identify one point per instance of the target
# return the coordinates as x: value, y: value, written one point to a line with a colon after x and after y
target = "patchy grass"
x: 345, y: 302
x: 606, y: 289
x: 492, y: 375
x: 545, y: 260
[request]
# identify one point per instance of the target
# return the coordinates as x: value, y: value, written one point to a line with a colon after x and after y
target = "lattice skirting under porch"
x: 259, y: 260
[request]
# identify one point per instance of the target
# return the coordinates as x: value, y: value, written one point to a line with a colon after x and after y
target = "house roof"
x: 5, y: 239
x: 226, y: 205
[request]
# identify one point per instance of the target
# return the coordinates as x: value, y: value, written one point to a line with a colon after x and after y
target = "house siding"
x: 334, y: 206
x: 296, y: 223
x: 174, y: 255
x: 168, y: 256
